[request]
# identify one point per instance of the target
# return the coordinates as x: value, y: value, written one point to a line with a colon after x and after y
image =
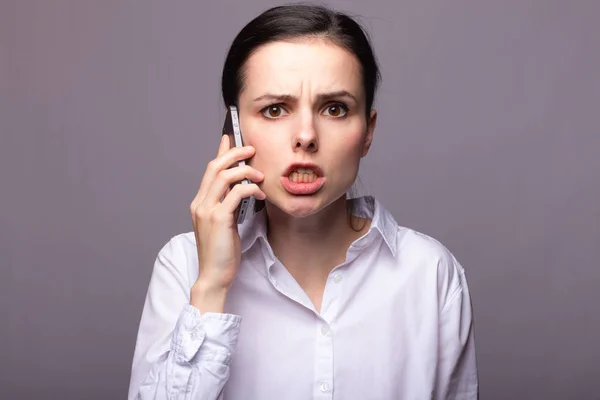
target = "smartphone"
x: 231, y: 127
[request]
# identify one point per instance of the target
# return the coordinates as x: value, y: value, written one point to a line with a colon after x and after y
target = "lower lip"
x: 302, y: 187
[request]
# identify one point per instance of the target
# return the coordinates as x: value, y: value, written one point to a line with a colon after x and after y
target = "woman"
x: 317, y: 295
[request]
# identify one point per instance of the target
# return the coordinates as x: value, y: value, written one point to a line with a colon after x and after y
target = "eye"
x: 336, y: 110
x: 273, y: 111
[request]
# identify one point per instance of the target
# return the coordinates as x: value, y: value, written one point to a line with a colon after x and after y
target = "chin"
x: 301, y: 206
x: 298, y: 206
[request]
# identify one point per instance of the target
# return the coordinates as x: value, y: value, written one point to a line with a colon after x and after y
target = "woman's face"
x: 303, y: 109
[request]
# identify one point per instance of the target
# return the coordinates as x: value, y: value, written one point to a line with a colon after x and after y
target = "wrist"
x: 208, y: 298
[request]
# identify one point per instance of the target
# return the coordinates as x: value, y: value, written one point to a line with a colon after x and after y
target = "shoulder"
x: 417, y: 245
x: 178, y: 255
x: 416, y: 251
x: 433, y: 260
x: 179, y: 244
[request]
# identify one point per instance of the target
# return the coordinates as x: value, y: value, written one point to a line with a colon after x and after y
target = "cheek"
x: 349, y: 147
x: 266, y: 152
x: 347, y: 159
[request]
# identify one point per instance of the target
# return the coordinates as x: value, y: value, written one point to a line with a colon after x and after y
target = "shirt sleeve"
x: 457, y: 377
x: 179, y: 353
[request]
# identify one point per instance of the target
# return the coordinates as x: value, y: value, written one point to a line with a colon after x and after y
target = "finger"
x: 228, y: 177
x: 222, y: 162
x: 235, y: 196
x: 224, y: 145
x: 232, y: 156
x: 225, y: 194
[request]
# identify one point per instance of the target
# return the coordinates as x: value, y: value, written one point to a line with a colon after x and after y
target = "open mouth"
x: 303, y: 175
x: 303, y: 179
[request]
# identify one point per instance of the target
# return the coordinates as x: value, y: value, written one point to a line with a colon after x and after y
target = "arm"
x: 457, y: 377
x: 180, y: 352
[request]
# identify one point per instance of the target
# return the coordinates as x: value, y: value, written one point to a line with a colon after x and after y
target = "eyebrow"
x: 320, y: 97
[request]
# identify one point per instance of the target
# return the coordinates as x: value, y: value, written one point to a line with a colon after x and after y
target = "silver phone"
x: 231, y: 127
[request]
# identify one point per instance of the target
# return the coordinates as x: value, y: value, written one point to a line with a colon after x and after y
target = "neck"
x: 314, y: 244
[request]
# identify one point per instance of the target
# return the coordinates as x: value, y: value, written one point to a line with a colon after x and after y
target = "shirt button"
x: 324, y: 329
x: 324, y: 387
x: 193, y: 335
x: 337, y: 278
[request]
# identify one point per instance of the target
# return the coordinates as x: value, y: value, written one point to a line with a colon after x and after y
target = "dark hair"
x: 300, y: 21
x: 297, y: 21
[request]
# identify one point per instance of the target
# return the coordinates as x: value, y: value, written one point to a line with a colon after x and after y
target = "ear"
x: 370, y: 129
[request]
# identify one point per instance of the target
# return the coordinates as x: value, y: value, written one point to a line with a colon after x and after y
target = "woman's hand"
x: 214, y: 218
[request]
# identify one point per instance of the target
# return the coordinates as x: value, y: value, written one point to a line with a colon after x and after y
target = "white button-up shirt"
x: 395, y: 323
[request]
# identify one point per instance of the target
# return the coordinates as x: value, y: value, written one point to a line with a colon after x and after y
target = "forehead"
x: 312, y: 64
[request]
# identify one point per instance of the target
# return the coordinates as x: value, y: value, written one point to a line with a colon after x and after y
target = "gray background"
x: 488, y: 140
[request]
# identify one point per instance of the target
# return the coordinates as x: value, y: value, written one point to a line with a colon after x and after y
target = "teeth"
x: 304, y: 171
x: 304, y: 177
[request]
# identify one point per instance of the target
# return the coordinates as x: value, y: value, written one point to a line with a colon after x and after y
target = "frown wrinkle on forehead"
x: 304, y: 70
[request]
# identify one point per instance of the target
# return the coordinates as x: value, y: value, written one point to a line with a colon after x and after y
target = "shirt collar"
x: 255, y: 226
x: 382, y: 221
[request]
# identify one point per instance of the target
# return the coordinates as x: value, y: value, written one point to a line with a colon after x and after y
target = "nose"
x: 306, y: 138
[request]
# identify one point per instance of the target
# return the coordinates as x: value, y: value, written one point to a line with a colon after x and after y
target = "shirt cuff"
x: 216, y: 333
